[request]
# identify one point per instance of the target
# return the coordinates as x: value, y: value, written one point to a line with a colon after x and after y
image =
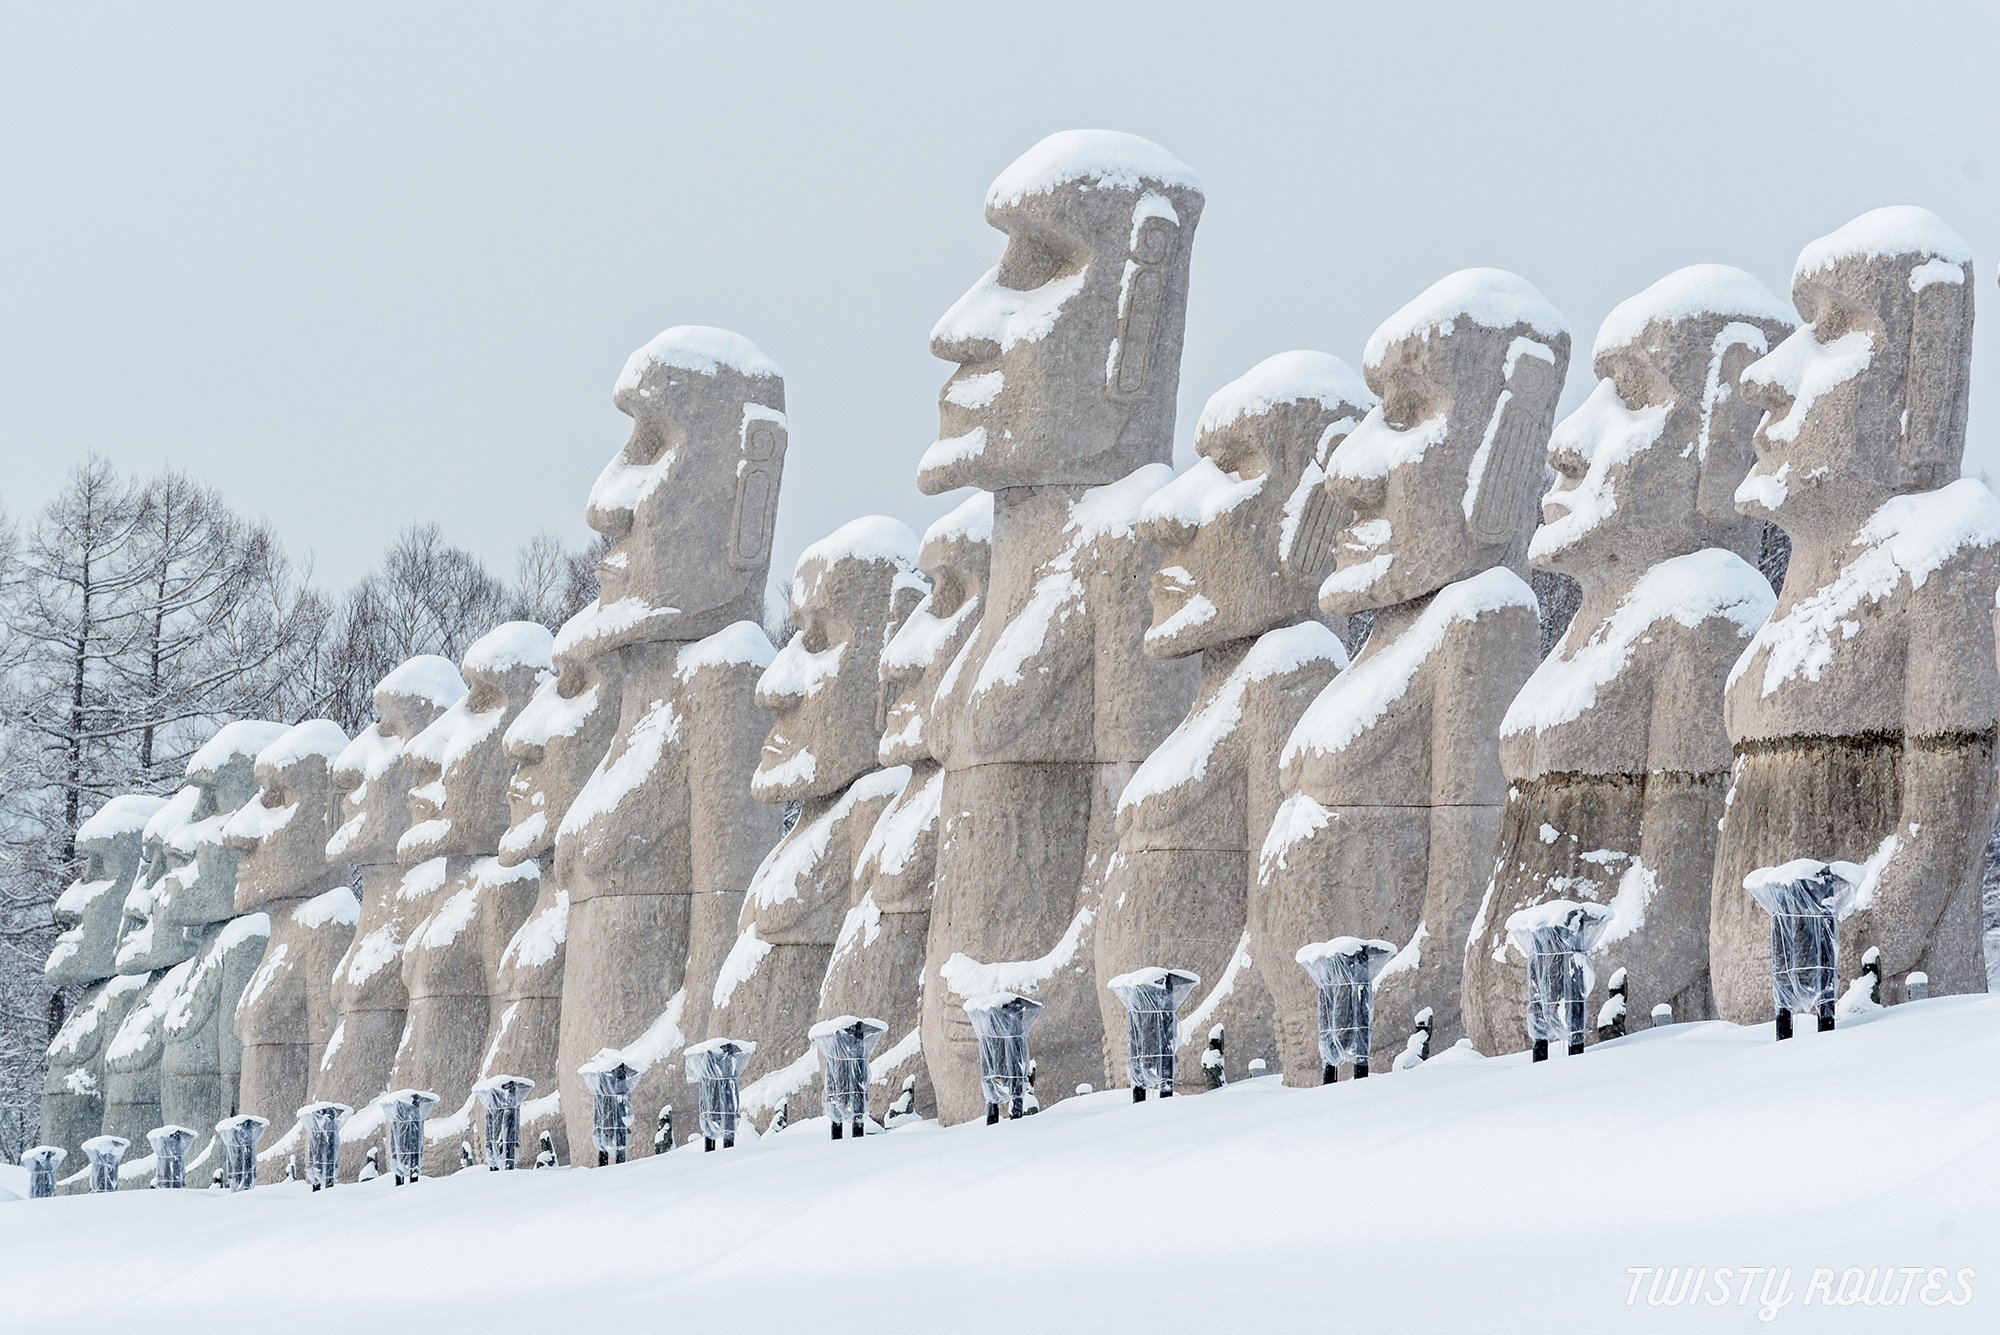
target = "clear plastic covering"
x: 405, y: 1111
x: 1557, y: 938
x: 1002, y: 1020
x: 845, y: 1044
x: 1806, y: 901
x: 170, y: 1148
x: 1346, y: 970
x: 1152, y: 998
x: 321, y: 1123
x: 501, y: 1097
x: 240, y: 1135
x: 714, y: 1068
x: 105, y: 1154
x: 43, y: 1163
x: 609, y: 1078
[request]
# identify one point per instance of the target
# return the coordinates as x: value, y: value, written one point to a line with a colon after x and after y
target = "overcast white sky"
x: 364, y: 265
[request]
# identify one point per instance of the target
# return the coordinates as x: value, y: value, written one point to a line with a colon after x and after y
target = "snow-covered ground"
x: 1469, y: 1195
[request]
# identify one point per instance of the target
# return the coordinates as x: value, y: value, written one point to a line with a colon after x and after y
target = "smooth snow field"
x: 1466, y: 1196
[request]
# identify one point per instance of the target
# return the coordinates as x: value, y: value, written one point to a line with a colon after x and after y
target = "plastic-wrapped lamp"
x: 239, y: 1136
x: 405, y: 1110
x: 104, y: 1153
x: 845, y: 1044
x: 609, y: 1078
x: 501, y: 1097
x: 1002, y: 1021
x: 170, y: 1148
x: 1345, y: 970
x: 1152, y: 998
x: 321, y: 1123
x: 43, y: 1162
x: 1557, y: 938
x: 1806, y: 900
x: 715, y: 1068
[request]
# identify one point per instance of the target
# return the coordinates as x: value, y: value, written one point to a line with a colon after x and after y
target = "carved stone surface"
x: 656, y: 849
x: 1062, y: 405
x: 1862, y: 716
x: 1245, y: 537
x: 1614, y: 751
x: 1392, y: 776
x: 828, y: 703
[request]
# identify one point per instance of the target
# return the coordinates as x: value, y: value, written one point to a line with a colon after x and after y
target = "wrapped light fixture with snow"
x: 1002, y: 1021
x: 43, y: 1163
x: 1557, y: 938
x: 609, y: 1079
x: 714, y: 1068
x: 1345, y: 971
x: 845, y: 1044
x: 1152, y: 998
x: 320, y: 1123
x: 170, y: 1147
x: 500, y: 1096
x: 1806, y: 901
x: 405, y: 1111
x: 105, y: 1153
x: 238, y: 1137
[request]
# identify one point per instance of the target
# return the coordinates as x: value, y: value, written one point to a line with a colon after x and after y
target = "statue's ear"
x: 1306, y: 551
x: 1728, y: 419
x: 759, y: 468
x: 1936, y: 376
x: 1506, y: 471
x: 1142, y: 298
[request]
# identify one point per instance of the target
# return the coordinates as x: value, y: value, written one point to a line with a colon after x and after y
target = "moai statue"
x: 85, y: 958
x: 1391, y: 780
x: 850, y: 590
x: 655, y: 851
x: 373, y: 777
x: 1614, y: 751
x: 1245, y: 537
x: 554, y: 743
x: 877, y: 967
x: 285, y: 1015
x: 202, y: 1065
x: 1863, y: 713
x: 1062, y: 406
x: 458, y: 816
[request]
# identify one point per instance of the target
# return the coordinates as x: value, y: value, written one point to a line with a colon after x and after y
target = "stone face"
x: 1245, y: 536
x: 1391, y: 779
x: 459, y: 814
x: 1862, y: 716
x: 285, y: 1014
x: 877, y: 967
x: 1068, y: 358
x: 373, y: 777
x: 828, y: 703
x: 657, y: 847
x: 1615, y: 751
x: 85, y: 957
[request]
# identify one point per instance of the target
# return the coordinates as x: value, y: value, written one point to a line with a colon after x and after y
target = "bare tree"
x: 552, y: 584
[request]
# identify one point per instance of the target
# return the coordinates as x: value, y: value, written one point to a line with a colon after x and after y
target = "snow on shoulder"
x: 430, y: 678
x: 869, y: 538
x: 1491, y: 298
x: 740, y: 643
x: 1686, y: 294
x: 320, y: 737
x: 245, y: 737
x: 125, y: 814
x: 702, y: 349
x: 510, y: 645
x: 1287, y: 377
x: 970, y: 521
x: 1899, y: 229
x: 1106, y: 159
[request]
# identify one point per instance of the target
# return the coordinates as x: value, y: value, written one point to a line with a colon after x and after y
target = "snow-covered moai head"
x: 556, y: 741
x: 145, y: 941
x: 280, y: 836
x: 224, y: 773
x: 1647, y: 468
x: 459, y: 804
x: 1069, y: 350
x: 1439, y: 481
x: 1246, y: 533
x: 372, y: 775
x: 1867, y: 398
x: 91, y: 909
x: 689, y: 503
x: 849, y: 592
x: 953, y: 560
